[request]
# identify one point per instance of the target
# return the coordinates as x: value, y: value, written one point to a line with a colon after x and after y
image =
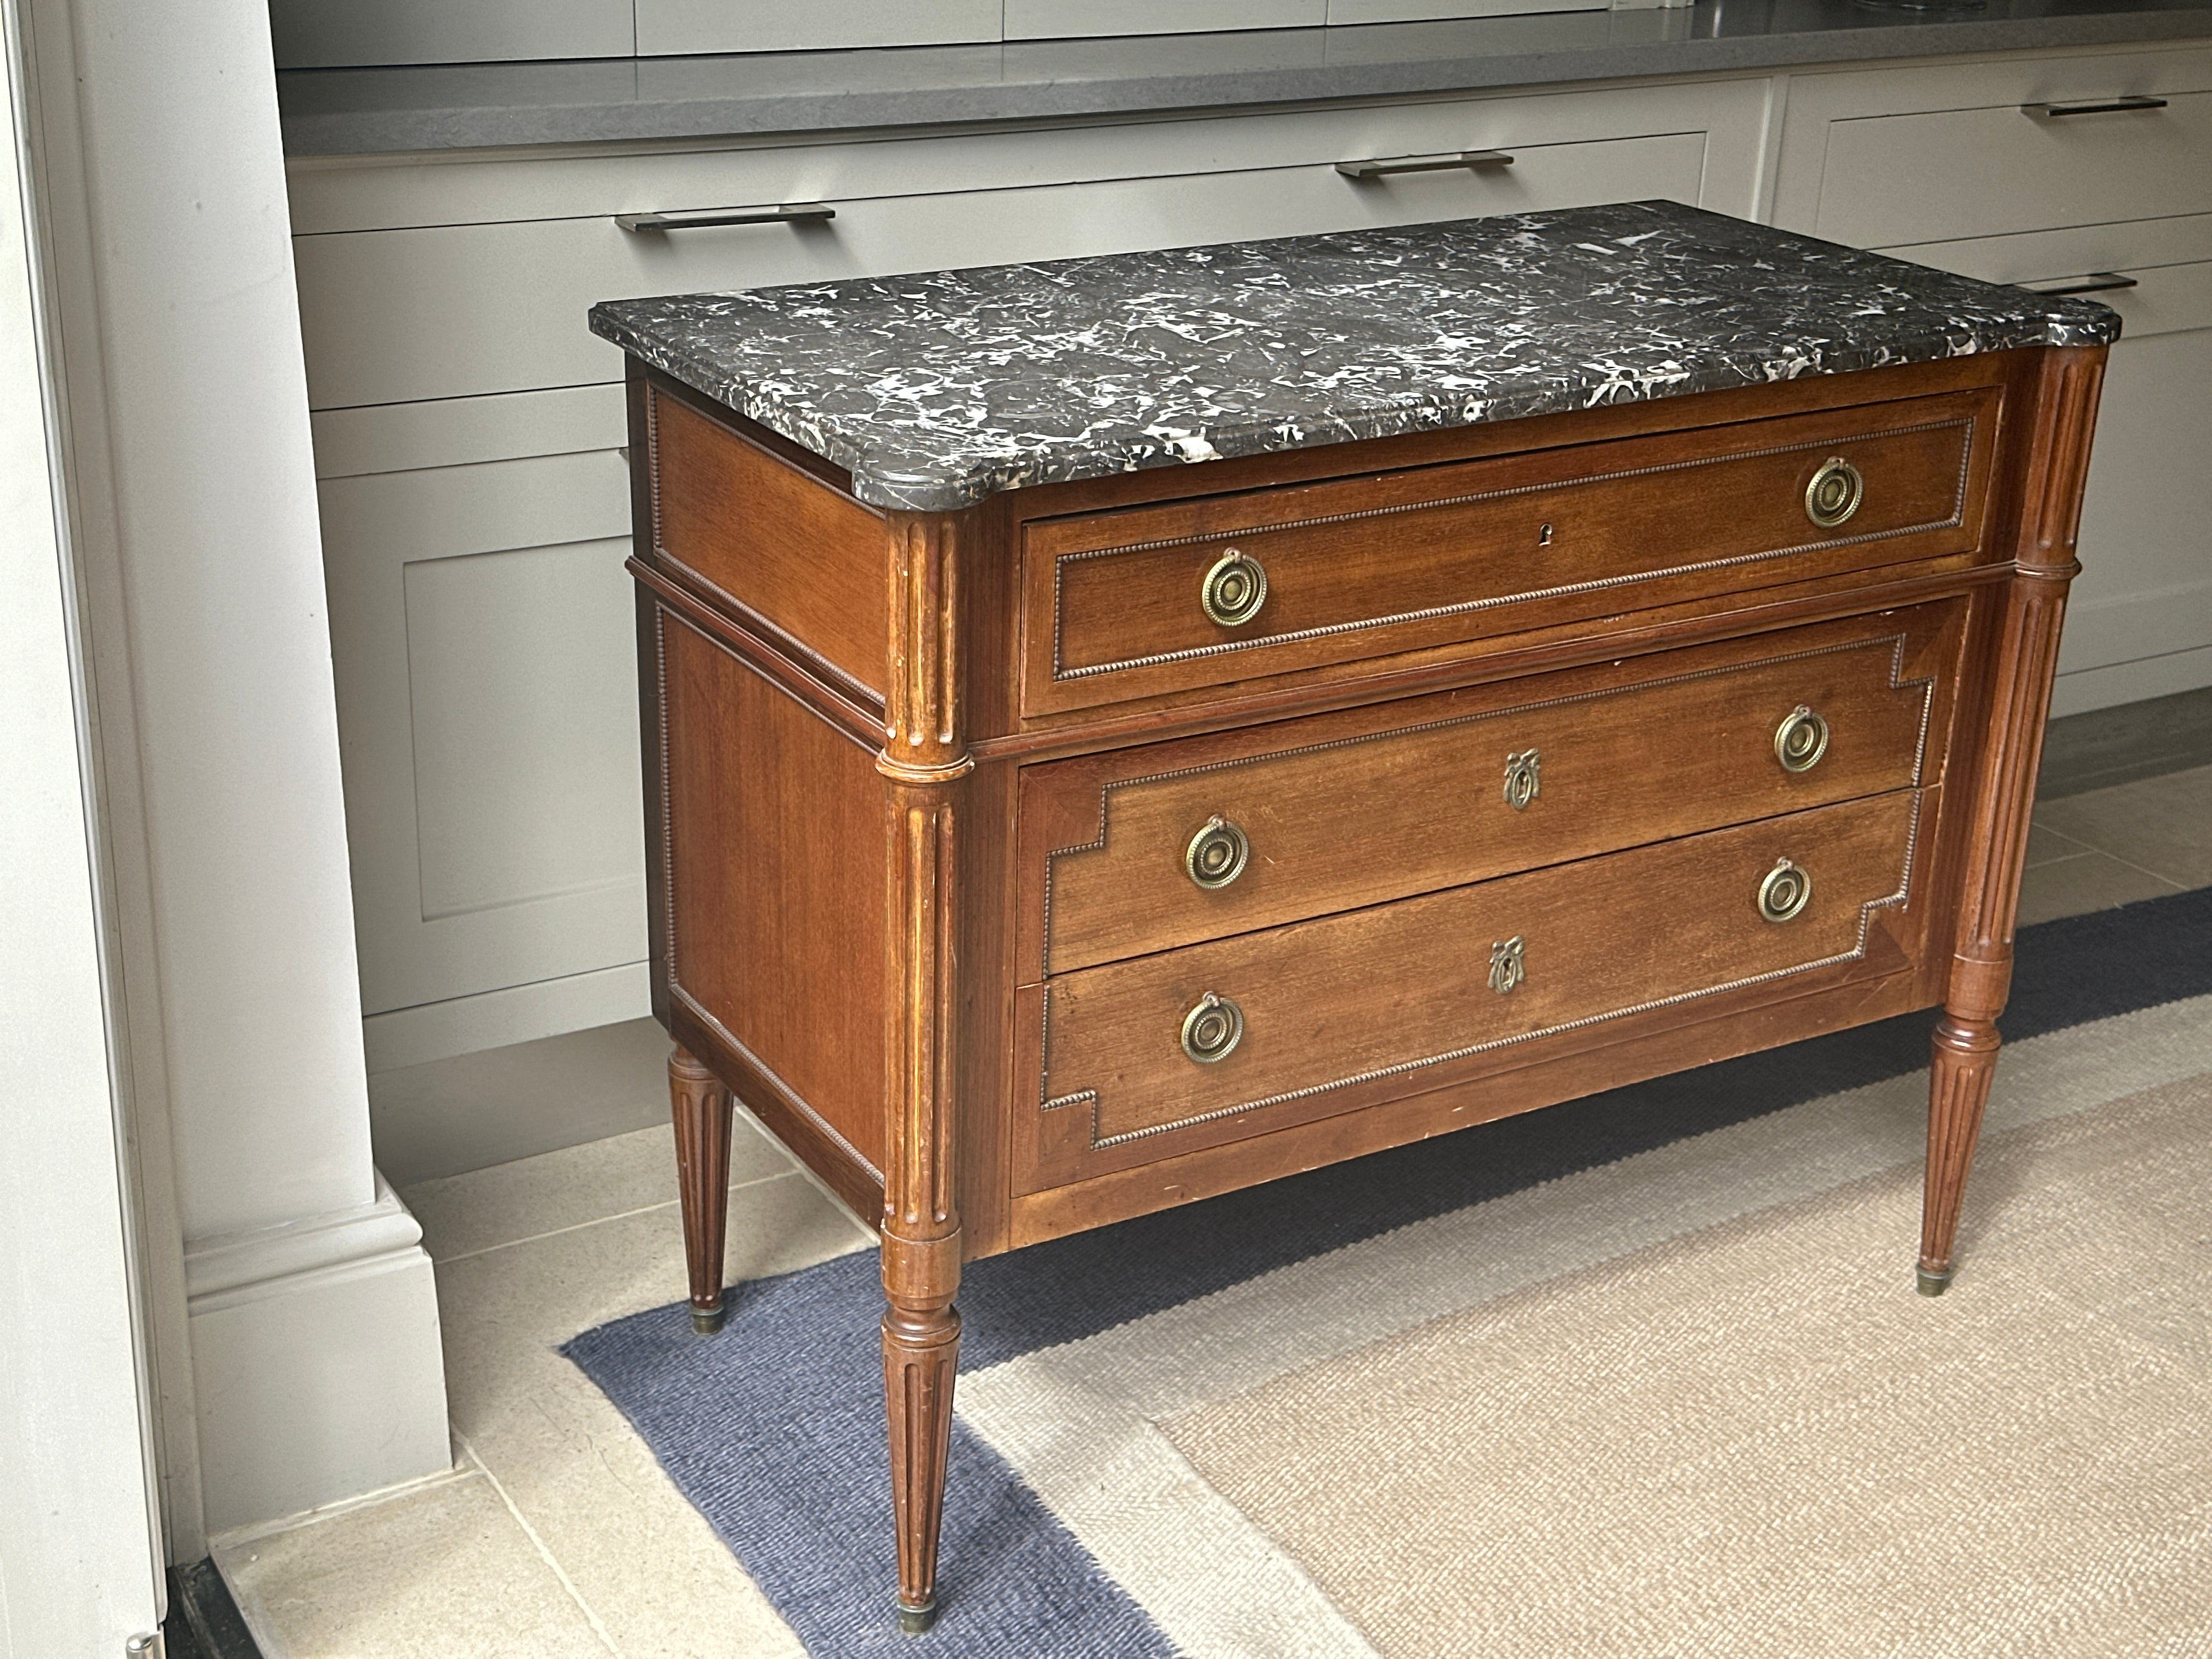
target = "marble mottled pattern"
x: 937, y: 389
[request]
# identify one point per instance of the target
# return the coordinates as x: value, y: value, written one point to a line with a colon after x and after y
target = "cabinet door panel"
x: 2139, y: 620
x: 716, y: 26
x: 321, y: 34
x: 454, y: 311
x: 480, y: 629
x: 1988, y: 172
x: 2145, y: 590
x: 1051, y: 19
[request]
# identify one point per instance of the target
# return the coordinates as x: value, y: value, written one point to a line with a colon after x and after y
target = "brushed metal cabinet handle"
x: 1384, y: 166
x: 2097, y: 282
x: 2106, y: 106
x: 780, y: 213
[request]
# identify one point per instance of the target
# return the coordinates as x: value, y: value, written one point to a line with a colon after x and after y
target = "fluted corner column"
x: 1965, y: 1049
x: 923, y: 761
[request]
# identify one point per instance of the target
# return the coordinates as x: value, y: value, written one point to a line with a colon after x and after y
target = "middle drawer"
x: 1147, y: 849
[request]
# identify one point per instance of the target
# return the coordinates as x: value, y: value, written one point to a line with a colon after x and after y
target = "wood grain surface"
x: 1362, y: 567
x: 1396, y: 988
x: 1404, y: 798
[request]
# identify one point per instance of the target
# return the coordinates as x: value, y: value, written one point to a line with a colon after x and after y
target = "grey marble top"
x: 442, y: 107
x: 937, y: 389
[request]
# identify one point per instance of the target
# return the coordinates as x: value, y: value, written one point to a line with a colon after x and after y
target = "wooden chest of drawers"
x: 1237, y: 819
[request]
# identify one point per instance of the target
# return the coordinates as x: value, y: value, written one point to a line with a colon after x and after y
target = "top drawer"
x: 1949, y: 173
x: 1146, y: 601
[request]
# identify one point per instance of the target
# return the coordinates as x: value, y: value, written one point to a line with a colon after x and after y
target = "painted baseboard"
x: 2082, y: 689
x: 515, y: 1013
x: 316, y: 1361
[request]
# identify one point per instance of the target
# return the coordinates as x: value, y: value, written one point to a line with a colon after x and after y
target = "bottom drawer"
x: 1237, y: 1037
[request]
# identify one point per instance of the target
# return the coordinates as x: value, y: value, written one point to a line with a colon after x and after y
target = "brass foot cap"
x: 1933, y: 1281
x: 916, y: 1621
x: 707, y: 1320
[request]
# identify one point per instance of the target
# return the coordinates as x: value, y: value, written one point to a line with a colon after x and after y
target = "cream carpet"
x: 1745, y: 1440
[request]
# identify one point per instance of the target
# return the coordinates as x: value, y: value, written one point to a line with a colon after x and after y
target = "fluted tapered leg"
x: 1964, y: 1065
x: 700, y: 1106
x: 921, y: 1351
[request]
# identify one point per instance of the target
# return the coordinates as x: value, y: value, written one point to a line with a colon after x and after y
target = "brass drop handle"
x: 1213, y: 1027
x: 1786, y: 892
x: 1801, y: 739
x: 1234, y: 589
x: 1217, y: 854
x: 1524, y: 779
x: 1835, y: 493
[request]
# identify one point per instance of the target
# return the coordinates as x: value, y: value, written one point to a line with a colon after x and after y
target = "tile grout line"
x: 538, y: 1544
x: 577, y: 1227
x: 2145, y: 870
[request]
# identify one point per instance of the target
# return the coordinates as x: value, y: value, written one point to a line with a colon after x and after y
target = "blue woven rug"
x: 774, y: 1429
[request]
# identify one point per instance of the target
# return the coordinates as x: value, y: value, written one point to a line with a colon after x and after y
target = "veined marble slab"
x: 938, y: 390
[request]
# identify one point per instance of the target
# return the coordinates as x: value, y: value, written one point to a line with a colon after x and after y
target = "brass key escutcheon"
x: 1801, y: 739
x: 1835, y: 493
x: 1211, y: 1029
x: 1507, y: 968
x: 1217, y: 854
x: 1524, y: 781
x: 1234, y: 589
x: 1786, y: 891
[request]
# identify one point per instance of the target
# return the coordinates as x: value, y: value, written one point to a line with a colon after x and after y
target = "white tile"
x: 638, y: 1553
x: 532, y: 1196
x: 2162, y: 825
x: 2088, y: 881
x: 441, y: 1572
x: 2047, y: 845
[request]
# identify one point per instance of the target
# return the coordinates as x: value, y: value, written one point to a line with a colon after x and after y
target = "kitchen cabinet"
x: 2090, y: 172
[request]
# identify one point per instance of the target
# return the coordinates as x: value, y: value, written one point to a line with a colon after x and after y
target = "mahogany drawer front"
x: 1112, y: 603
x: 1398, y: 992
x: 1381, y: 803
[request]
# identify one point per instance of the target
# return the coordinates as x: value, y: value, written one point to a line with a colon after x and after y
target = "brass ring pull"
x: 1524, y: 780
x: 1786, y: 891
x: 1801, y: 739
x: 1213, y: 1027
x: 1234, y: 589
x: 1835, y: 493
x: 1217, y: 854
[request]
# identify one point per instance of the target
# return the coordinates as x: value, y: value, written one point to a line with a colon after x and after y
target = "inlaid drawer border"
x: 1897, y: 643
x: 1061, y: 675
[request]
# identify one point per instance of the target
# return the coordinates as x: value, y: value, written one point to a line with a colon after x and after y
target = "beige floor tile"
x: 441, y: 1572
x: 639, y: 1554
x: 2044, y: 846
x: 485, y: 1208
x: 2089, y: 881
x: 2161, y: 824
x: 499, y: 1305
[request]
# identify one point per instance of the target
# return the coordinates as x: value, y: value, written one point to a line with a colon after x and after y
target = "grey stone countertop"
x: 937, y: 389
x: 448, y: 106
